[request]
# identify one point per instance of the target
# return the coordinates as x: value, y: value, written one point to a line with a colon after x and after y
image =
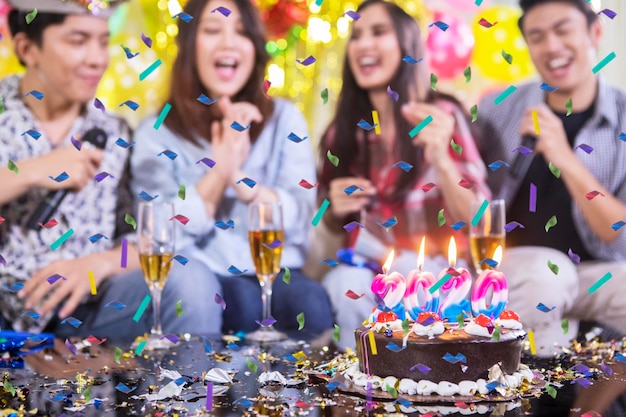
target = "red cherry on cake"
x: 427, y: 316
x: 509, y: 315
x: 483, y: 321
x: 386, y: 317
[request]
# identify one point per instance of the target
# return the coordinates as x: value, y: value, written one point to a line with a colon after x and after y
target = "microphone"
x: 520, y: 160
x: 49, y: 205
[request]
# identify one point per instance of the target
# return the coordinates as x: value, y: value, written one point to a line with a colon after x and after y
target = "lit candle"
x: 500, y: 292
x: 456, y: 288
x: 417, y: 284
x: 390, y: 288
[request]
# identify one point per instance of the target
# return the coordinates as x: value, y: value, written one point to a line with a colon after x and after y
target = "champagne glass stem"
x: 266, y: 296
x: 156, y: 311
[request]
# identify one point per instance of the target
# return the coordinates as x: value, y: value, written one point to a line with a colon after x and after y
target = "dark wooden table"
x: 92, y: 382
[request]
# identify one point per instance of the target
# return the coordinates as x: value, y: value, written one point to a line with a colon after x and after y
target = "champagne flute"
x: 266, y: 237
x: 487, y: 232
x: 155, y: 238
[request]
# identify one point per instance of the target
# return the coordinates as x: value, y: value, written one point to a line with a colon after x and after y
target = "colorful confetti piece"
x: 31, y: 16
x: 129, y: 219
x: 324, y: 96
x: 142, y: 307
x: 479, y: 213
x: 202, y: 98
x: 544, y: 308
x: 320, y: 211
x: 421, y: 125
x: 394, y: 95
x: 457, y: 148
x: 550, y: 223
x: 603, y: 63
x: 389, y: 223
x: 300, y: 320
x: 553, y: 267
x: 507, y: 57
x: 164, y: 112
x: 332, y: 158
x: 146, y: 73
x: 295, y: 138
x: 287, y: 276
x: 307, y: 61
x: 92, y: 283
x: 504, y: 95
x: 600, y: 282
x: 182, y: 219
x: 554, y: 170
x: 61, y: 240
x: 124, y: 254
x: 376, y: 122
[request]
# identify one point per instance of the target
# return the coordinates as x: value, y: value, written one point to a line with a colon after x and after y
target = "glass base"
x: 153, y: 342
x: 266, y: 334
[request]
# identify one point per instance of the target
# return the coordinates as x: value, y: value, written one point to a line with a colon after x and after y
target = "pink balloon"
x: 466, y: 5
x: 449, y: 51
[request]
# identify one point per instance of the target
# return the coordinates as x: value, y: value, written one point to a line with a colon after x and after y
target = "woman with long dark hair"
x: 421, y: 168
x: 227, y: 154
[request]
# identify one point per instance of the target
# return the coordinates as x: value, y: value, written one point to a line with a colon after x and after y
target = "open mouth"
x: 559, y: 66
x: 226, y: 68
x: 368, y: 64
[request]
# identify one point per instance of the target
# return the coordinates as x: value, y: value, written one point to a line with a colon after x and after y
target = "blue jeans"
x: 242, y: 295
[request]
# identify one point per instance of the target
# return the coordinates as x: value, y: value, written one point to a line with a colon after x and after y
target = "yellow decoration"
x: 505, y: 35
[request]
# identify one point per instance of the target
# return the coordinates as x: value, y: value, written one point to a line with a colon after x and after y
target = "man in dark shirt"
x: 569, y: 193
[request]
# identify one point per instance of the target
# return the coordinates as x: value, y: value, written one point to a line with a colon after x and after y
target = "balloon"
x: 466, y: 6
x: 502, y: 36
x: 449, y: 51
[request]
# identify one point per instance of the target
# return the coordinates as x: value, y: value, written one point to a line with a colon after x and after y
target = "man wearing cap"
x: 49, y: 269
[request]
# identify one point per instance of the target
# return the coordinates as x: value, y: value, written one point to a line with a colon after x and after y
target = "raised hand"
x: 552, y: 140
x: 435, y: 137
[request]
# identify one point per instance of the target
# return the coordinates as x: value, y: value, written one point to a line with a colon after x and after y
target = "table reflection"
x: 104, y: 380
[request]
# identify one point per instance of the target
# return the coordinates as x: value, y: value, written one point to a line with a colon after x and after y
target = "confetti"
x: 229, y: 224
x: 307, y: 61
x: 37, y: 94
x: 420, y: 126
x: 300, y: 320
x: 270, y: 321
x: 324, y: 95
x: 433, y: 81
x: 593, y: 194
x: 608, y: 13
x: 31, y: 16
x: 247, y: 181
x: 457, y: 148
x: 182, y: 219
x: 54, y: 278
x: 551, y: 390
x: 147, y: 197
x: 220, y: 301
x: 507, y: 57
x: 3, y: 261
x: 253, y: 367
x: 57, y: 243
x: 394, y: 96
x: 554, y: 170
x: 585, y: 148
x: 128, y: 52
x: 565, y: 326
x: 182, y: 192
x: 551, y: 223
x: 129, y: 219
x: 123, y: 144
x: 60, y: 178
x: 266, y: 86
x: 531, y: 341
x: 574, y: 257
x: 496, y: 334
x: 332, y: 158
x: 548, y: 87
x: 320, y: 211
x: 209, y: 397
x: 351, y: 189
x: 223, y: 10
x: 496, y: 165
x: 336, y: 333
x: 1, y: 103
x: 532, y: 199
x: 164, y: 112
x: 606, y: 369
x: 618, y: 225
x: 305, y: 184
x: 420, y: 367
x: 389, y: 223
x: 97, y: 237
x: 372, y: 341
x: 295, y: 138
x: 32, y: 133
x: 441, y: 218
x: 491, y: 262
x: 238, y: 127
x: 180, y: 259
x: 485, y: 23
x: 441, y: 25
x: 124, y: 254
x: 600, y: 282
x: 505, y: 94
x: 206, y: 161
x: 72, y: 348
x: 202, y: 98
x: 467, y: 72
x: 474, y: 112
x: 553, y: 267
x: 179, y: 308
x: 467, y: 184
x: 235, y: 271
x: 287, y: 276
x: 352, y: 15
x: 146, y: 73
x: 364, y: 124
x: 404, y: 166
x: 536, y: 122
x: 121, y: 387
x: 273, y: 245
x: 439, y: 283
x: 479, y: 213
x: 142, y: 307
x: 458, y: 225
x: 13, y: 167
x: 351, y: 294
x: 72, y: 321
x: 116, y: 305
x: 92, y: 283
x: 427, y: 187
x: 459, y: 357
x: 568, y: 106
x: 330, y: 262
x: 603, y: 63
x: 410, y: 60
x: 376, y: 122
x: 146, y: 40
x: 544, y: 308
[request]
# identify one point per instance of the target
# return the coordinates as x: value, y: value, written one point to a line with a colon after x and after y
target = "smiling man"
x: 569, y: 193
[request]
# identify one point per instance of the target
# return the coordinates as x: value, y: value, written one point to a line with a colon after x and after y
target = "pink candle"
x: 500, y: 292
x: 417, y: 285
x: 390, y: 288
x: 455, y: 288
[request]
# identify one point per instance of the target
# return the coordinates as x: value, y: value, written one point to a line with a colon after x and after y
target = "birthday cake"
x: 405, y: 347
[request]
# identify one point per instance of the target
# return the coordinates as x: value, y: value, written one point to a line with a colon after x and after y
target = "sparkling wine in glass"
x: 155, y: 241
x: 488, y: 232
x: 266, y: 237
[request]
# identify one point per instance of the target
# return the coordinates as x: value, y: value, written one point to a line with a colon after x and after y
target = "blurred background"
x: 298, y: 29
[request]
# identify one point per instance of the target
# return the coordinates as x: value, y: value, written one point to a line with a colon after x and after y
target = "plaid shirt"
x: 500, y: 124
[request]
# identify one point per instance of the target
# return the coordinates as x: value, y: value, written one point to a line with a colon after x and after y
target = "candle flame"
x: 497, y: 255
x: 388, y: 262
x: 452, y: 252
x: 420, y: 256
